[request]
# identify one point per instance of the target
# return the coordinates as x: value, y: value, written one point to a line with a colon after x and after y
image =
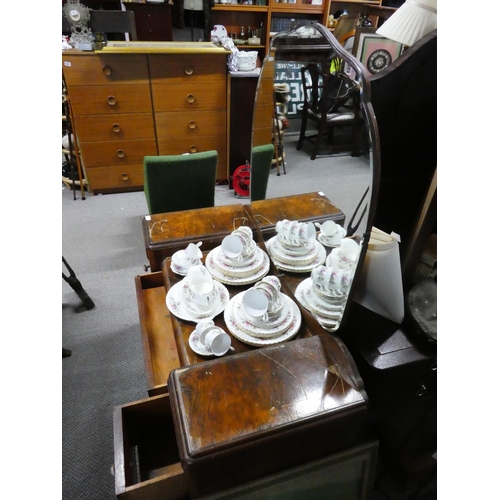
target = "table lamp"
x: 412, y: 21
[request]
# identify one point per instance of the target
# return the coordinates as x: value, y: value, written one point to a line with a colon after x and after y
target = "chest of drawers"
x: 149, y: 99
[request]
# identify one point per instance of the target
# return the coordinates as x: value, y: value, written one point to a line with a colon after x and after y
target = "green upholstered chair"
x: 262, y: 158
x: 180, y: 182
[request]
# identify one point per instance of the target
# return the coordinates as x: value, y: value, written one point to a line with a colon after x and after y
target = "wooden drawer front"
x: 98, y: 154
x: 265, y: 91
x: 110, y: 99
x: 191, y: 97
x: 181, y: 145
x: 92, y: 128
x: 103, y: 69
x: 194, y: 124
x: 116, y: 177
x: 147, y: 463
x: 178, y: 69
x: 261, y: 136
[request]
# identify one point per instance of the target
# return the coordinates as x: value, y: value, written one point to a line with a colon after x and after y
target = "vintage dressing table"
x: 212, y: 424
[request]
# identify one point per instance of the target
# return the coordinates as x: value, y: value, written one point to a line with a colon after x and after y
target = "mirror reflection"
x: 317, y: 96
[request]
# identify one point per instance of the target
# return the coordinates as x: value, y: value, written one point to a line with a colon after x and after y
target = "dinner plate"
x: 176, y: 306
x: 306, y: 296
x: 262, y: 270
x: 241, y: 335
x: 261, y: 329
x: 230, y: 267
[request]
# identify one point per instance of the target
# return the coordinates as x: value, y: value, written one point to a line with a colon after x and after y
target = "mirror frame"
x: 334, y: 49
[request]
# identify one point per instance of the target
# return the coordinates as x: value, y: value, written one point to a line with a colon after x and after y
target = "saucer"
x: 320, y: 259
x: 241, y: 335
x: 197, y: 346
x: 328, y: 241
x: 177, y: 268
x: 176, y: 306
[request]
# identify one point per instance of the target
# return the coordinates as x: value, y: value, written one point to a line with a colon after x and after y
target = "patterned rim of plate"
x: 229, y: 280
x: 303, y: 294
x: 224, y: 260
x: 239, y: 316
x: 236, y: 331
x: 293, y: 260
x: 320, y: 259
x: 176, y: 307
x: 235, y: 271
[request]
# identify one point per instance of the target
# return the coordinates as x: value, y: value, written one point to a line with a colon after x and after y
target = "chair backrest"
x: 108, y: 21
x: 345, y: 24
x: 180, y: 182
x: 260, y: 166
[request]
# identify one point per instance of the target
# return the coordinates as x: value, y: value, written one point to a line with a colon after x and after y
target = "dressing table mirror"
x: 354, y: 192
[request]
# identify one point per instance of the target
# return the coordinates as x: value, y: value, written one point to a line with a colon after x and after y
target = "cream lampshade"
x: 413, y: 20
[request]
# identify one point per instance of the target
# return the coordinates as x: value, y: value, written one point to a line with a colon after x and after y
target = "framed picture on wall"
x: 374, y: 51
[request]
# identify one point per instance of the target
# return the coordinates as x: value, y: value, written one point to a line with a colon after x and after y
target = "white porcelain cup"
x: 217, y: 340
x: 202, y: 328
x: 193, y: 252
x: 328, y: 228
x: 256, y: 303
x: 345, y: 256
x: 232, y: 246
x: 201, y: 287
x: 246, y: 236
x: 324, y: 277
x: 271, y: 287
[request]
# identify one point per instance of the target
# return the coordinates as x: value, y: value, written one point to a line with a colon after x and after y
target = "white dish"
x: 240, y: 334
x: 260, y: 328
x: 259, y: 273
x: 320, y: 259
x: 309, y: 300
x: 281, y: 254
x: 176, y: 306
x: 327, y: 241
x: 236, y: 269
x: 197, y: 346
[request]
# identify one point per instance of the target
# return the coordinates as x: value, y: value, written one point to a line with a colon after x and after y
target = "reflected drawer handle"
x: 111, y: 100
x: 193, y: 149
x: 107, y: 70
x: 421, y: 391
x: 192, y: 125
x: 189, y: 70
x: 116, y: 127
x: 190, y: 98
x: 120, y: 153
x: 125, y: 176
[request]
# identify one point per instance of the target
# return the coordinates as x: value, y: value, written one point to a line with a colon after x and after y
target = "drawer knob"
x: 193, y: 149
x: 192, y: 125
x: 111, y: 100
x: 120, y: 153
x: 190, y: 98
x: 125, y: 176
x: 189, y: 70
x: 116, y: 127
x: 107, y: 70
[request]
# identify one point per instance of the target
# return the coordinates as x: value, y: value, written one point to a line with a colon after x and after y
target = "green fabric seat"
x: 262, y: 158
x: 180, y: 182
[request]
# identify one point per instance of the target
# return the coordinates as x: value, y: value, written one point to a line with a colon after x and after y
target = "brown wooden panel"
x: 204, y: 123
x: 99, y: 154
x: 116, y: 178
x: 93, y: 69
x: 263, y: 116
x: 261, y: 136
x: 189, y: 97
x: 126, y: 126
x: 89, y: 100
x: 181, y: 145
x: 178, y: 69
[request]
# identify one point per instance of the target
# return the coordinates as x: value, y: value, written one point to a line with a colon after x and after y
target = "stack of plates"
x: 296, y: 258
x: 280, y: 327
x: 180, y: 304
x: 326, y: 307
x: 237, y: 272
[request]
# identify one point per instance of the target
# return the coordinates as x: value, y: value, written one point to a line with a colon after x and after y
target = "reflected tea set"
x: 262, y: 315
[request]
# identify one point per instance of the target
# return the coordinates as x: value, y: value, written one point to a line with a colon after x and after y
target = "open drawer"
x: 147, y: 464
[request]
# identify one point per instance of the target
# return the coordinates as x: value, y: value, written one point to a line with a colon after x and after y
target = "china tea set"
x: 262, y: 315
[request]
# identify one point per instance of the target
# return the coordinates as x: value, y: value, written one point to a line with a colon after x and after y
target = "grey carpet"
x: 103, y: 243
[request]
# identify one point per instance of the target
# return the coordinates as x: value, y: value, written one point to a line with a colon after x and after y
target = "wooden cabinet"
x: 134, y: 103
x: 152, y: 21
x: 368, y: 7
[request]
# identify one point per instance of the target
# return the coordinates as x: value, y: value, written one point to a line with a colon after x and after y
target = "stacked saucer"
x: 327, y: 306
x: 295, y: 247
x: 279, y: 323
x: 232, y: 264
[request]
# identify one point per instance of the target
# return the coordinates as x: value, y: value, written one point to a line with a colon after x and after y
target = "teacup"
x: 216, y: 340
x: 232, y: 246
x: 331, y: 232
x: 188, y: 257
x: 256, y: 303
x: 331, y: 279
x: 203, y: 327
x: 345, y: 256
x: 245, y: 234
x: 193, y: 252
x: 201, y: 287
x: 296, y: 232
x: 271, y: 286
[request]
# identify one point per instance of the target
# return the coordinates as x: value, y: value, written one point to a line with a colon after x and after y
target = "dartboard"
x: 378, y: 61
